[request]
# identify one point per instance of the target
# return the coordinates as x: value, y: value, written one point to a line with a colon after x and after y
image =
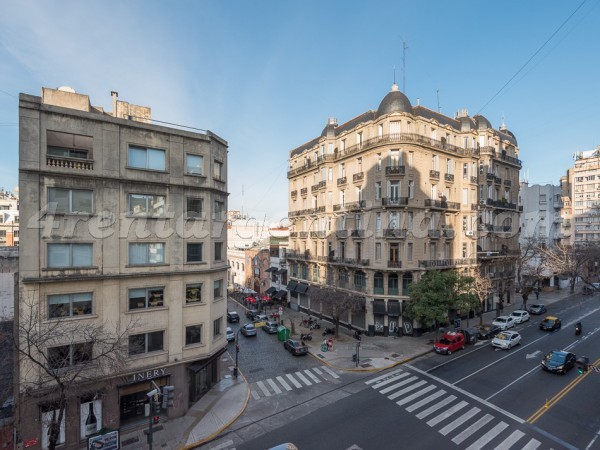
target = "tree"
x: 571, y: 261
x: 482, y: 288
x: 466, y: 299
x: 335, y: 303
x: 530, y: 268
x: 60, y: 358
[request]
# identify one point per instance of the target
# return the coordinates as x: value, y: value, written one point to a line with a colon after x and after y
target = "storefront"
x: 134, y: 405
x: 379, y: 313
x: 393, y: 310
x: 203, y: 375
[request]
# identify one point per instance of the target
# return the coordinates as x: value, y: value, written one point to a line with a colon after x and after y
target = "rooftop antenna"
x: 404, y: 48
x: 394, y: 74
x: 438, y: 100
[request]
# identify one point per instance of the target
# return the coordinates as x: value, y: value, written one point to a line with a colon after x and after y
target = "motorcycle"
x: 577, y: 328
x: 306, y: 336
x: 315, y: 325
x: 328, y: 331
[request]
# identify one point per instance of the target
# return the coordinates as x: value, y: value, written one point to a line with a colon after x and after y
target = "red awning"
x: 265, y: 298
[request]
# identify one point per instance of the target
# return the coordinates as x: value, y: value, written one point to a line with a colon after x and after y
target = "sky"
x: 266, y: 75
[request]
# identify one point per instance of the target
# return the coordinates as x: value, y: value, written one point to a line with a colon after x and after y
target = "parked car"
x: 270, y: 327
x: 537, y: 309
x: 295, y: 347
x: 260, y: 318
x: 506, y: 340
x: 233, y: 317
x: 504, y: 322
x: 558, y: 361
x: 550, y: 323
x: 449, y: 342
x: 251, y: 314
x: 520, y: 315
x: 248, y: 330
x: 487, y: 331
x: 230, y: 335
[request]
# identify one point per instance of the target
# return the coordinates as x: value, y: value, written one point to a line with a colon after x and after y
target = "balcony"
x: 299, y: 255
x: 358, y: 177
x: 348, y: 261
x: 355, y: 206
x: 507, y: 183
x: 558, y: 204
x: 394, y: 264
x: 314, y: 188
x: 567, y: 224
x: 342, y: 181
x: 430, y: 263
x: 395, y: 170
x: 294, y: 194
x: 474, y: 180
x: 303, y: 234
x: 434, y: 234
x: 434, y: 174
x: 503, y: 204
x: 318, y: 234
x: 303, y: 192
x: 497, y: 180
x: 394, y: 201
x: 357, y: 233
x: 490, y: 176
x: 395, y: 233
x: 340, y: 234
x: 69, y: 163
x: 448, y: 233
x: 449, y: 177
x: 293, y: 234
x: 440, y: 204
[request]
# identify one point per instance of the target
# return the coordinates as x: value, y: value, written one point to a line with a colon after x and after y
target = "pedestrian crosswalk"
x: 290, y: 381
x: 462, y: 422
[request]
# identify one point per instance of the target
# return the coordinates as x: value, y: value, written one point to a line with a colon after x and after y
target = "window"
x: 69, y: 255
x: 217, y: 326
x: 378, y: 251
x: 378, y: 221
x: 142, y: 298
x: 217, y: 289
x: 378, y: 164
x: 411, y: 188
x: 219, y: 213
x: 193, y: 164
x: 146, y: 205
x: 218, y: 171
x: 69, y: 305
x: 218, y: 251
x: 409, y: 251
x: 409, y: 220
x: 146, y: 158
x: 360, y: 279
x: 465, y: 196
x: 194, y: 252
x: 146, y: 253
x: 69, y: 145
x: 50, y: 416
x: 146, y: 343
x: 71, y: 355
x: 194, y: 208
x: 411, y: 156
x: 193, y: 335
x: 70, y: 201
x: 465, y: 171
x: 394, y: 190
x: 378, y: 190
x: 193, y: 293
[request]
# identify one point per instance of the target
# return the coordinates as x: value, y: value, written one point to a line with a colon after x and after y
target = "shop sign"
x: 149, y: 375
x: 107, y: 441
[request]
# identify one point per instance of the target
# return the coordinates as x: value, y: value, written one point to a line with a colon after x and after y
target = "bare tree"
x: 335, y: 303
x: 530, y: 268
x: 60, y: 358
x: 571, y: 261
x: 482, y: 288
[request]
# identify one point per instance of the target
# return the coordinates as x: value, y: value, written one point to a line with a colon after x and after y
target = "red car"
x: 450, y: 342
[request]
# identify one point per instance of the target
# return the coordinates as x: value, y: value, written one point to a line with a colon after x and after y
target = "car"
x: 487, y: 331
x: 504, y: 322
x: 248, y: 330
x: 230, y: 335
x: 233, y: 317
x: 558, y: 361
x: 251, y: 314
x: 550, y: 323
x: 520, y: 315
x: 270, y: 327
x: 506, y: 340
x: 295, y: 347
x: 537, y: 309
x: 260, y: 318
x: 449, y: 342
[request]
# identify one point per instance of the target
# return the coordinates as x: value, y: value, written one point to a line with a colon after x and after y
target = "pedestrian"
x: 537, y: 293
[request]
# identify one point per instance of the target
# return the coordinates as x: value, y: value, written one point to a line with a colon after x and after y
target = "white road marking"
x: 487, y: 437
x: 435, y: 407
x: 255, y: 394
x: 283, y: 383
x: 532, y: 445
x: 317, y: 371
x: 412, y: 387
x: 263, y: 388
x: 274, y: 386
x: 426, y: 400
x: 312, y: 376
x: 396, y: 386
x: 459, y: 421
x: 225, y: 445
x: 417, y: 394
x: 441, y: 417
x: 507, y: 443
x: 472, y: 429
x: 330, y: 372
x: 293, y: 380
x: 303, y: 378
x: 383, y: 377
x: 391, y: 380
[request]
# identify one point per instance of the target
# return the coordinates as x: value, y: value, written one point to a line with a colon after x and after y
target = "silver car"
x: 230, y: 335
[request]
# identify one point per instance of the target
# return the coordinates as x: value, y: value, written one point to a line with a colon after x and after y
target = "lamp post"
x: 237, y: 350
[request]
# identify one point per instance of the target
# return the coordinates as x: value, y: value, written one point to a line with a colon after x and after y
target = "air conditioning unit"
x: 469, y: 233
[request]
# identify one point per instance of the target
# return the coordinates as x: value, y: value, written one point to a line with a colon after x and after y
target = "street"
x: 479, y: 397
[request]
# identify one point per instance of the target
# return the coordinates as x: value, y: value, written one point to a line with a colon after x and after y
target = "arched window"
x: 378, y: 283
x: 393, y: 284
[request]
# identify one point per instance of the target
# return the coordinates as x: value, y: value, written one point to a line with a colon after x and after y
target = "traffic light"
x: 168, y: 396
x: 582, y: 364
x: 155, y: 420
x: 155, y: 407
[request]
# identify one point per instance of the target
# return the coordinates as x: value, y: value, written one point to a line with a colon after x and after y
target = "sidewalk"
x: 226, y: 401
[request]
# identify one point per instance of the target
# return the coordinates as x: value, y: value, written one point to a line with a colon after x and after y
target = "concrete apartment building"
x: 394, y: 192
x: 131, y: 238
x: 581, y: 196
x: 9, y: 219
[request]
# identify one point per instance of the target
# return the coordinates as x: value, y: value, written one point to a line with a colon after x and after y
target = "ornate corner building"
x: 379, y: 200
x: 125, y: 232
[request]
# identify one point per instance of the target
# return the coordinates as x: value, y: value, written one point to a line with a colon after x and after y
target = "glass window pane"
x: 138, y: 253
x: 193, y: 334
x: 156, y: 159
x: 193, y: 293
x: 58, y: 199
x: 155, y: 297
x: 59, y: 255
x: 137, y: 157
x: 81, y: 303
x: 155, y: 341
x: 137, y: 298
x: 82, y: 255
x: 137, y: 344
x: 137, y: 204
x: 81, y: 201
x: 194, y: 207
x: 156, y: 205
x: 156, y: 253
x: 59, y: 306
x: 193, y: 164
x: 194, y: 252
x: 59, y: 357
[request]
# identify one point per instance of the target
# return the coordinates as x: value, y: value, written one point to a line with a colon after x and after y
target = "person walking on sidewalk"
x: 537, y: 293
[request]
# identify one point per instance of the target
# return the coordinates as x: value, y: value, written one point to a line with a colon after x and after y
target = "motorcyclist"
x: 578, y: 328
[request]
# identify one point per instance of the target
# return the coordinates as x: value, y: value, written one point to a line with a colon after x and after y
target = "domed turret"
x: 482, y: 122
x: 394, y: 101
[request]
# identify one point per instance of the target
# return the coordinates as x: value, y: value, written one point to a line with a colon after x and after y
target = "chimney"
x: 115, y: 96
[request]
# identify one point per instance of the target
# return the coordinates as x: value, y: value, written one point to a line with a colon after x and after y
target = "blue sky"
x: 266, y: 75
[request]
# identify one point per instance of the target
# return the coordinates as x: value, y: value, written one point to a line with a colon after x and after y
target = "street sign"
x: 280, y: 309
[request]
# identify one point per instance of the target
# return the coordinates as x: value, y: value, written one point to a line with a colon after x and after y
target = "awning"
x: 393, y: 308
x: 281, y: 271
x: 301, y: 288
x: 291, y: 286
x: 271, y: 269
x: 199, y: 365
x: 271, y: 290
x: 280, y: 294
x: 379, y: 307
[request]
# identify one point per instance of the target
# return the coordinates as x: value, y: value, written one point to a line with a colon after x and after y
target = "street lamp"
x: 237, y: 350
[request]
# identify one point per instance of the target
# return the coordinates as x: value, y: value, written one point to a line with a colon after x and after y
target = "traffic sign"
x: 280, y: 309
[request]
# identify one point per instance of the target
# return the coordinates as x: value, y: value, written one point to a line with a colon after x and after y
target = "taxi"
x: 550, y: 323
